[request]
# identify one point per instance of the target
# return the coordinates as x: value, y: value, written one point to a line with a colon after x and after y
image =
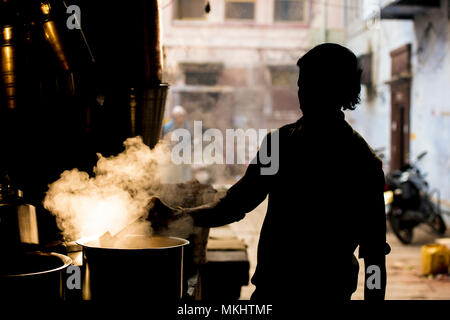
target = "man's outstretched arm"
x: 241, y: 198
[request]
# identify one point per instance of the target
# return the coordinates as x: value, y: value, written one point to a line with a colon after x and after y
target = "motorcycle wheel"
x: 438, y: 224
x: 405, y: 235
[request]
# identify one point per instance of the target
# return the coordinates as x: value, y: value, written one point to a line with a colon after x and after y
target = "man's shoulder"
x: 361, y: 146
x: 290, y: 128
x: 284, y: 131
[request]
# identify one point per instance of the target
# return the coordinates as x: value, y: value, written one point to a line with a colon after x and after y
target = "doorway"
x: 400, y: 106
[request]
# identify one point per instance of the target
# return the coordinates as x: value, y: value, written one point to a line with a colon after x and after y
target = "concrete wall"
x: 246, y: 50
x: 430, y: 95
x: 430, y: 120
x: 372, y: 117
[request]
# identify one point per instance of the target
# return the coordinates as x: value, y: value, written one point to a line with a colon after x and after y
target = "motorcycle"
x: 409, y: 202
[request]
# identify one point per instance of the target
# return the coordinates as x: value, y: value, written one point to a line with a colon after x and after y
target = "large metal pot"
x: 36, y: 275
x: 149, y: 269
x: 18, y: 226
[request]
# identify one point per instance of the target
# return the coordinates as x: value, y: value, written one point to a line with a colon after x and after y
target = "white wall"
x: 430, y: 121
x: 372, y: 117
x: 430, y: 93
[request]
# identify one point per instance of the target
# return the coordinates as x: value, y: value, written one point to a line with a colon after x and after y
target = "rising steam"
x: 116, y: 196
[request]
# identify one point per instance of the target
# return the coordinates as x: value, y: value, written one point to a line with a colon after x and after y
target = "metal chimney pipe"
x: 153, y: 58
x: 153, y: 94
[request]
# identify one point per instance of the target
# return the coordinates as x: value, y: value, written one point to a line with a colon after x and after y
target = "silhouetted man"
x: 325, y: 199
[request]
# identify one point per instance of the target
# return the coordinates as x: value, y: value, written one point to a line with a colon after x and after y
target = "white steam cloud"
x: 114, y: 198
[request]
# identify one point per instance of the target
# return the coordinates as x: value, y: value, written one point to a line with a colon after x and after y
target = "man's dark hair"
x: 330, y: 76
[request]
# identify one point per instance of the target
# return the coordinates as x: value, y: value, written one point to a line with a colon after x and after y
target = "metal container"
x: 8, y: 65
x: 18, y: 220
x: 52, y: 36
x: 18, y: 226
x: 152, y: 105
x: 36, y: 275
x: 143, y: 268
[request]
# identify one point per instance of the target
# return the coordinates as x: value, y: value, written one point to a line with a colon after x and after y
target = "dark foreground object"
x: 37, y: 276
x: 150, y: 270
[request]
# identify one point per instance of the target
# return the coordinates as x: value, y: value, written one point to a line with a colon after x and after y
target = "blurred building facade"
x: 403, y: 47
x: 235, y: 67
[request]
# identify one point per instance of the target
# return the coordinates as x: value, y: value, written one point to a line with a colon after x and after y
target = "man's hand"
x: 168, y: 221
x: 160, y: 214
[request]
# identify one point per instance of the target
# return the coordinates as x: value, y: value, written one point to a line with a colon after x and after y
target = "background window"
x: 284, y: 76
x: 189, y: 9
x: 239, y: 10
x: 289, y: 10
x: 206, y: 74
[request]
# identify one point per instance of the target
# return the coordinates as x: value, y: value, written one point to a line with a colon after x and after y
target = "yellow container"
x: 435, y: 259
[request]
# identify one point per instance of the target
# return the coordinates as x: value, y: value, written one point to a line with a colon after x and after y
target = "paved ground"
x: 403, y: 264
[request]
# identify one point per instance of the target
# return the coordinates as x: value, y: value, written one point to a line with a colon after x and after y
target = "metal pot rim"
x: 84, y: 242
x: 65, y: 259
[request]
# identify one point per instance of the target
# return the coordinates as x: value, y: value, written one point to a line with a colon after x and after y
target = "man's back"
x: 317, y: 209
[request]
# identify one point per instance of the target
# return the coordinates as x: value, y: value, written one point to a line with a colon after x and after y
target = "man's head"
x: 329, y: 79
x: 179, y: 115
